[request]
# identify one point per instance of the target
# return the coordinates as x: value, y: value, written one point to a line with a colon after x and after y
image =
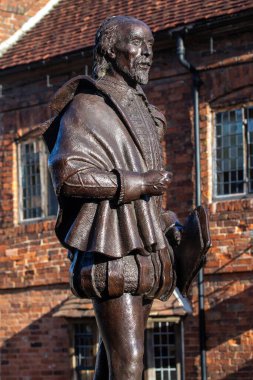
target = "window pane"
x: 218, y: 118
x: 229, y: 155
x: 250, y: 119
x: 30, y: 180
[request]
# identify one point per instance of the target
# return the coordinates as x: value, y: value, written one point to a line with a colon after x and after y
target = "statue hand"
x: 155, y: 182
x: 174, y: 235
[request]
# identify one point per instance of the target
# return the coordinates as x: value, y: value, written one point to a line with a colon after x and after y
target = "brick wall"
x: 31, y: 256
x: 13, y: 14
x: 34, y: 267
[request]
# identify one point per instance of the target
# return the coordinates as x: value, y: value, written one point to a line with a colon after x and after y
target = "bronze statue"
x: 107, y: 170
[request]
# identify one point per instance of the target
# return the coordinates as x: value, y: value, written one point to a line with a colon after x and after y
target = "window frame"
x: 44, y: 181
x: 245, y: 194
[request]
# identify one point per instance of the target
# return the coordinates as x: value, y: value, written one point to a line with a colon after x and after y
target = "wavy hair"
x: 106, y: 37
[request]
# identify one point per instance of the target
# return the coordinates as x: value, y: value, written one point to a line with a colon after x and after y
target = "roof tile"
x: 71, y: 25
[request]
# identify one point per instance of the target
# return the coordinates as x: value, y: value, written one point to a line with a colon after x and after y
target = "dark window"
x: 85, y: 343
x: 234, y: 152
x: 36, y: 195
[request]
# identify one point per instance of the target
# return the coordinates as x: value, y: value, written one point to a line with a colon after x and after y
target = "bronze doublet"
x: 110, y: 127
x: 150, y: 275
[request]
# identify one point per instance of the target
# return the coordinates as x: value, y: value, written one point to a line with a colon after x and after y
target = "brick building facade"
x: 41, y: 323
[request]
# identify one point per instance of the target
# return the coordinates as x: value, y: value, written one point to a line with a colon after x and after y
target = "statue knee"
x: 128, y: 365
x: 134, y: 359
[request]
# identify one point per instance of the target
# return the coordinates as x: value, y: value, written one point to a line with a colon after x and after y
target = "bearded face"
x: 137, y: 69
x: 133, y: 51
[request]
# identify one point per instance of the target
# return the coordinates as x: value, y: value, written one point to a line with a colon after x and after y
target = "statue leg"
x: 121, y: 322
x: 101, y: 369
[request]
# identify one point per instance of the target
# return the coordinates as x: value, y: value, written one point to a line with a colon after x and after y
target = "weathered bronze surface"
x: 106, y: 166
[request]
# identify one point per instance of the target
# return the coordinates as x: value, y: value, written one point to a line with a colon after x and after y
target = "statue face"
x: 133, y: 51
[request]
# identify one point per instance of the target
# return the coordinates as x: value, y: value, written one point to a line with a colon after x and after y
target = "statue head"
x: 123, y: 44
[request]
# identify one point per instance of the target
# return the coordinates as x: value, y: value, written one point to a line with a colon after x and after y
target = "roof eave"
x: 190, y: 28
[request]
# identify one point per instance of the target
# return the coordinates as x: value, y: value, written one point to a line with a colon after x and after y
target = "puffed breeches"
x: 96, y: 276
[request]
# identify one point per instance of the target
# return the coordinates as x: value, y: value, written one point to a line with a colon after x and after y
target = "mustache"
x: 145, y: 61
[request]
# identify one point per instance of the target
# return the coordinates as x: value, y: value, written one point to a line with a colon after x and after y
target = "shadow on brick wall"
x: 38, y: 351
x: 243, y: 373
x: 229, y: 325
x: 229, y: 319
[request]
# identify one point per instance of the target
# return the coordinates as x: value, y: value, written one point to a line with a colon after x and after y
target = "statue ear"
x: 111, y: 53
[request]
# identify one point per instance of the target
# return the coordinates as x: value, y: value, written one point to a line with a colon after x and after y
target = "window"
x: 85, y: 344
x: 163, y: 350
x: 234, y: 152
x: 36, y: 195
x: 164, y: 347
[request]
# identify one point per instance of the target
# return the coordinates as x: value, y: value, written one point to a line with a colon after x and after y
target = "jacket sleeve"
x: 123, y: 186
x: 90, y: 184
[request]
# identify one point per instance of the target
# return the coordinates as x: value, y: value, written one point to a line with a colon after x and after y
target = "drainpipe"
x: 196, y: 86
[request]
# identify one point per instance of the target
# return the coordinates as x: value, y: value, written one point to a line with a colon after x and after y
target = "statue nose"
x: 146, y: 50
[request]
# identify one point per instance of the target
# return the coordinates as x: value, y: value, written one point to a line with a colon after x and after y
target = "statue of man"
x: 107, y: 169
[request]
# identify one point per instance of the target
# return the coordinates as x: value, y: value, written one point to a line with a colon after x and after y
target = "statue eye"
x: 136, y: 42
